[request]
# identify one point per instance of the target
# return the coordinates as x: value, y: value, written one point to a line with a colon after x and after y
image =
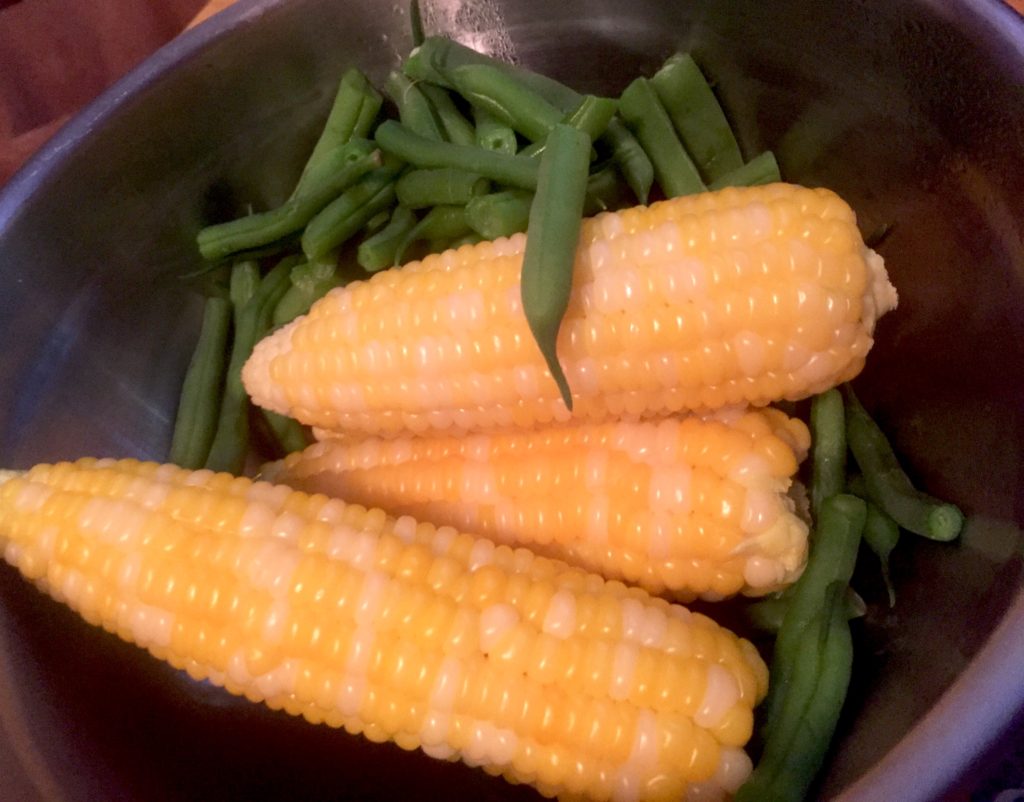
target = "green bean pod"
x: 887, y: 483
x: 309, y: 282
x: 456, y: 127
x: 591, y: 117
x: 352, y: 115
x: 499, y: 214
x: 419, y: 151
x: 340, y: 169
x: 644, y: 114
x: 762, y: 169
x: 492, y: 134
x: 795, y: 751
x: 833, y: 556
x: 552, y: 236
x: 381, y: 250
x: 500, y: 93
x: 231, y: 442
x: 697, y: 117
x: 288, y: 433
x: 420, y: 189
x: 768, y: 614
x: 442, y: 223
x: 341, y: 219
x: 828, y: 455
x: 196, y: 420
x: 414, y: 110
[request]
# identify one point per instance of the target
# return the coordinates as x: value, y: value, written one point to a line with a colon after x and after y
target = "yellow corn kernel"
x: 743, y: 296
x: 530, y: 668
x: 696, y: 506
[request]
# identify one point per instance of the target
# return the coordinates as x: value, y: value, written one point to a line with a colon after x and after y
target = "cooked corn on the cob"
x: 746, y: 295
x: 395, y: 629
x: 692, y: 505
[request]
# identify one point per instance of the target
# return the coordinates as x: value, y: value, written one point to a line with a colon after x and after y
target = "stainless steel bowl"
x: 913, y: 111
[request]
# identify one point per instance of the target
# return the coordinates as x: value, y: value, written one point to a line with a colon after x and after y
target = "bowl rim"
x: 969, y: 718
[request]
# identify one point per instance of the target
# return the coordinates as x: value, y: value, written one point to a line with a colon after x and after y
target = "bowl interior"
x: 914, y: 112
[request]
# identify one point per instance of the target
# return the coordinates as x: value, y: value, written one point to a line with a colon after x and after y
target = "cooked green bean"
x: 289, y: 434
x: 381, y: 250
x: 552, y: 236
x: 244, y: 281
x: 456, y: 127
x: 196, y: 421
x: 414, y: 110
x: 472, y: 238
x: 762, y: 169
x: 340, y: 169
x: 604, y: 191
x: 416, y: 23
x: 342, y: 218
x: 768, y: 614
x: 503, y: 95
x: 309, y: 282
x: 888, y: 485
x: 881, y: 533
x: 437, y: 57
x: 419, y: 189
x: 352, y: 115
x: 697, y: 117
x: 227, y: 452
x: 419, y: 151
x: 499, y: 214
x: 795, y: 750
x: 828, y: 434
x: 591, y: 117
x: 644, y: 114
x: 832, y: 559
x: 492, y: 134
x: 442, y: 223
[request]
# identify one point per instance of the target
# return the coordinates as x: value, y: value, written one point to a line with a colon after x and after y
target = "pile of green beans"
x: 813, y: 651
x: 456, y: 156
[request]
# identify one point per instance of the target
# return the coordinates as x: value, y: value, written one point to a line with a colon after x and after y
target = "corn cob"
x: 691, y: 505
x: 746, y: 295
x: 394, y: 629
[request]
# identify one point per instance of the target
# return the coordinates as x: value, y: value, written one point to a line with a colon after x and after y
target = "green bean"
x: 889, y: 486
x: 591, y: 117
x: 768, y: 614
x: 762, y: 169
x: 245, y: 280
x: 419, y: 189
x: 342, y: 218
x: 227, y: 452
x: 644, y: 114
x: 499, y: 214
x: 795, y: 751
x: 309, y: 282
x: 419, y: 151
x: 456, y: 127
x: 381, y: 250
x: 697, y: 117
x: 504, y: 96
x: 288, y: 433
x: 196, y: 421
x: 440, y: 223
x: 492, y: 134
x: 633, y: 161
x: 340, y: 169
x: 472, y: 238
x: 881, y: 533
x: 437, y: 57
x: 552, y: 236
x: 415, y: 23
x: 414, y: 110
x: 604, y: 191
x: 828, y: 434
x: 352, y: 115
x: 832, y: 559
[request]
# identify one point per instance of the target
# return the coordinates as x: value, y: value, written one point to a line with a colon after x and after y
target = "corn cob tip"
x: 6, y: 476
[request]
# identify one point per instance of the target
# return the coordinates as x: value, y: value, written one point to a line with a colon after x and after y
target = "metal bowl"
x: 913, y: 111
